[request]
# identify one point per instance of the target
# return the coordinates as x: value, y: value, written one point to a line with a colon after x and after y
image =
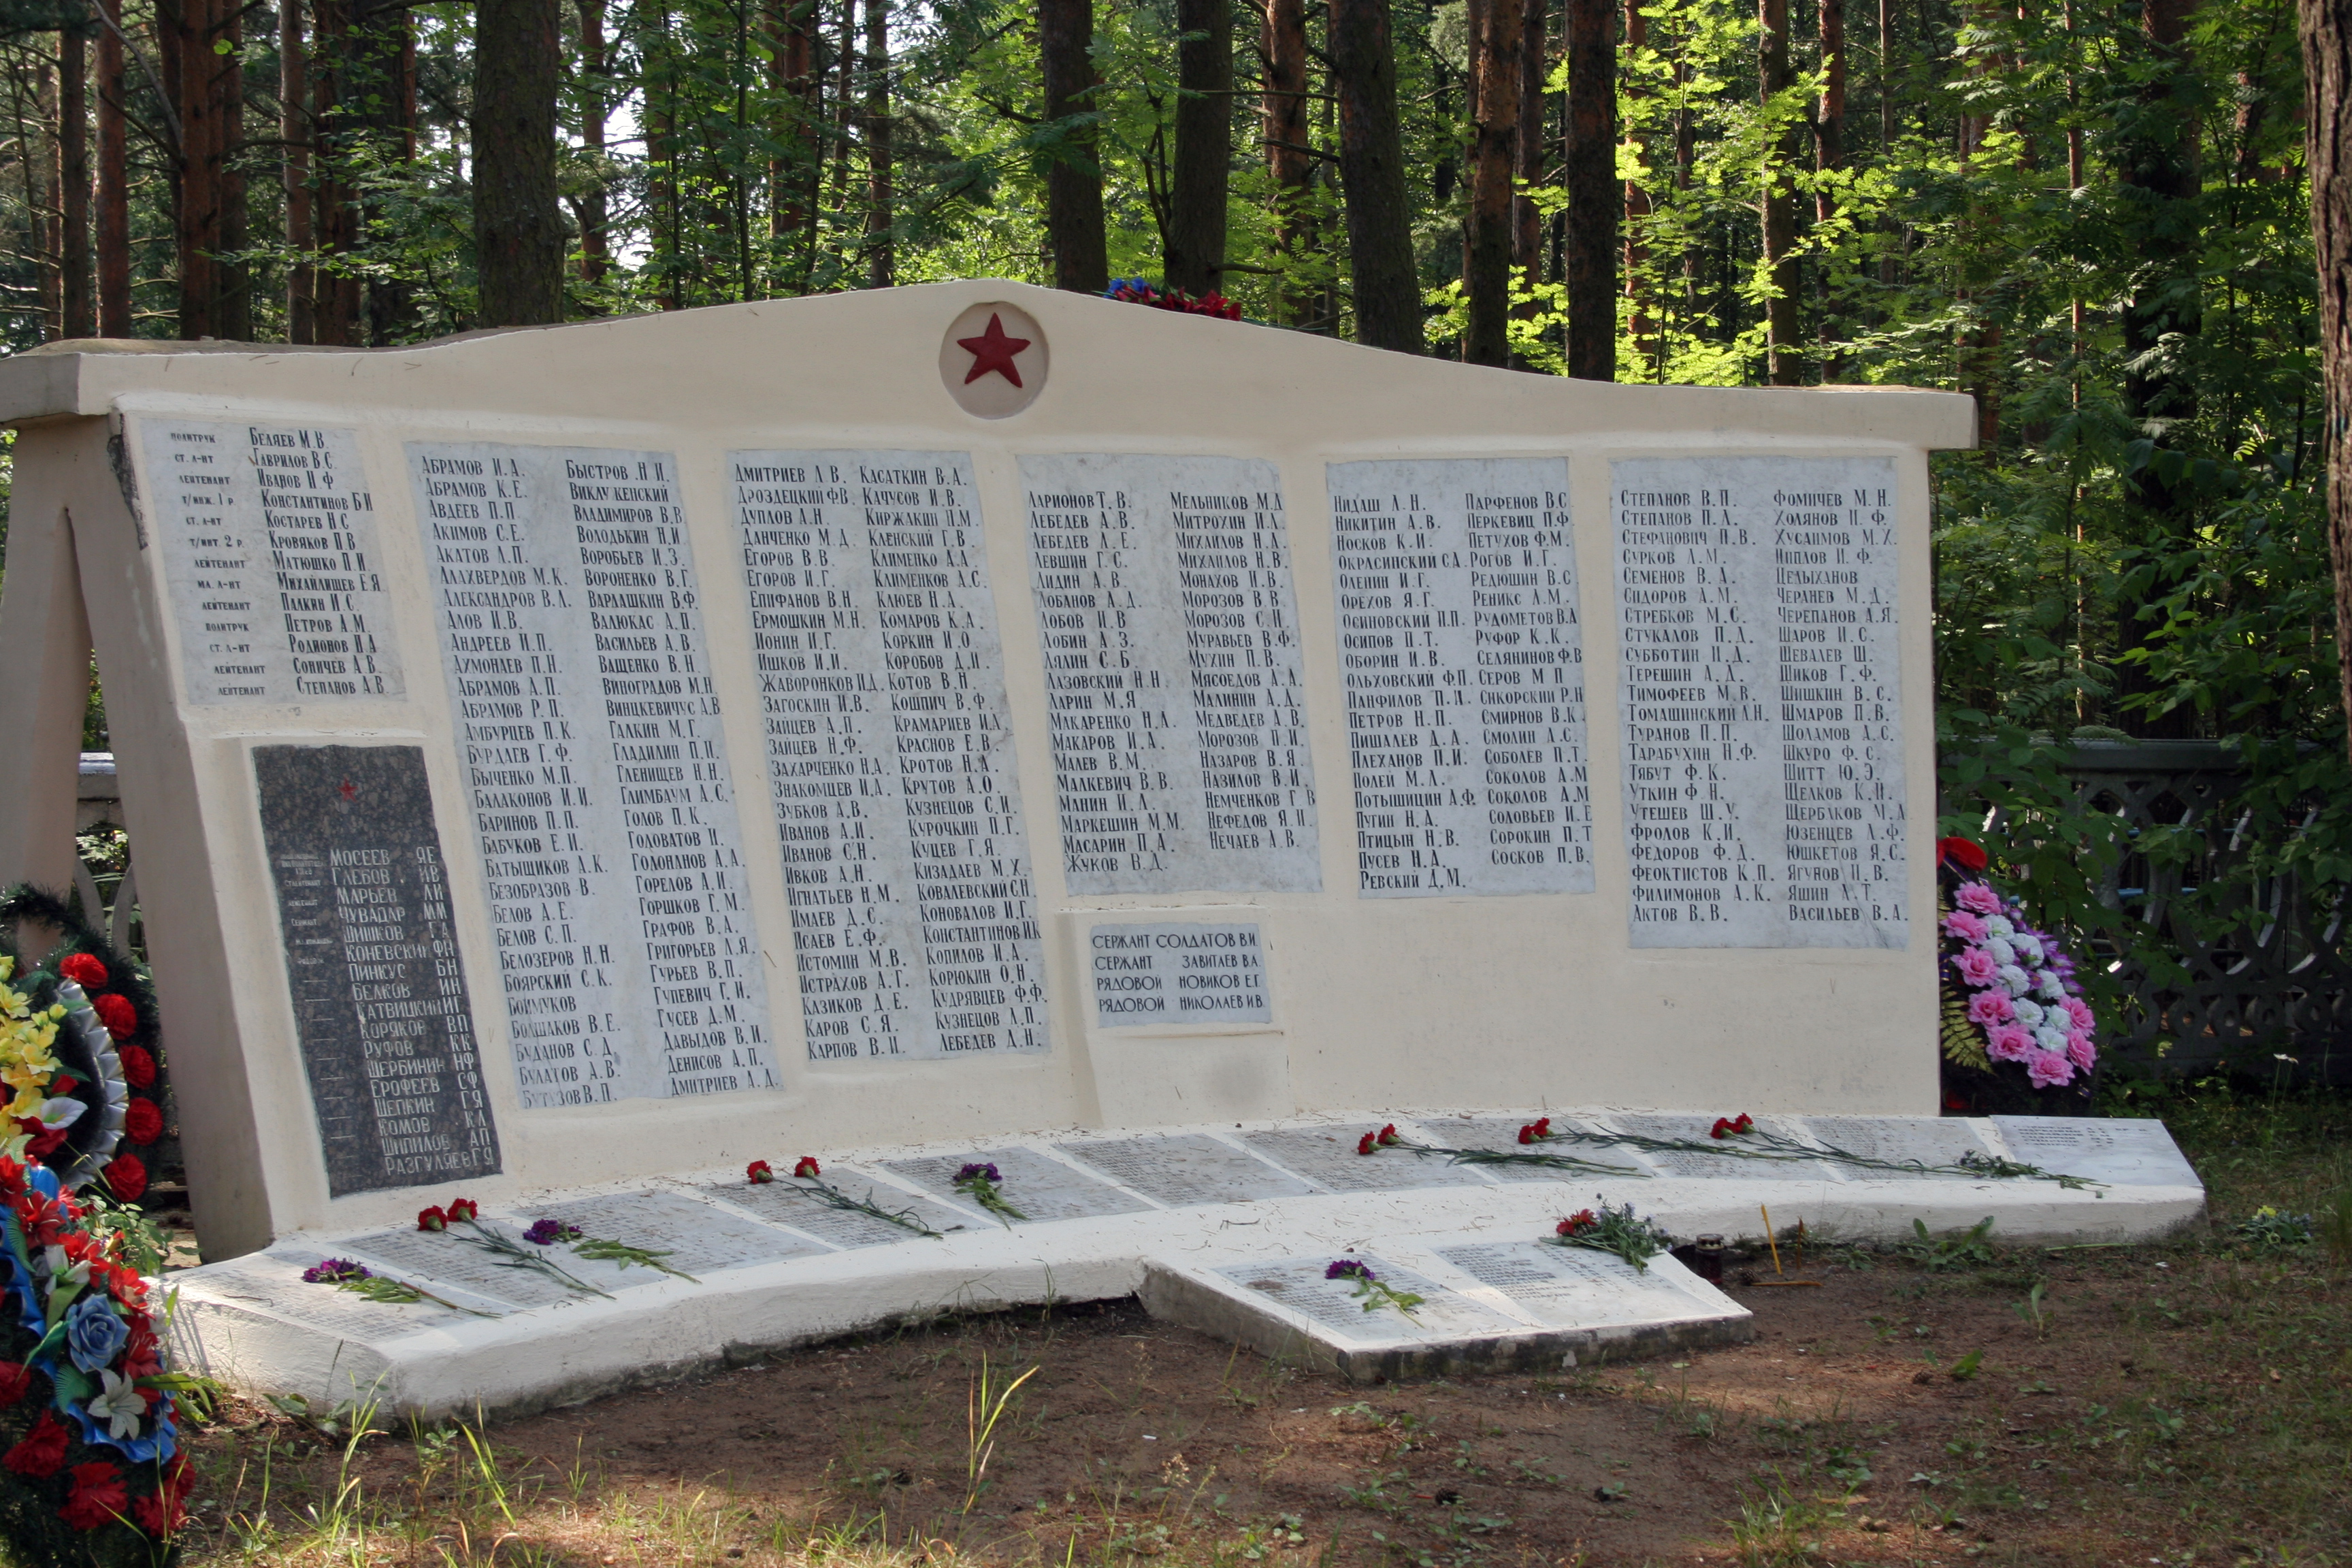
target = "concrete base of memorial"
x: 1227, y: 1227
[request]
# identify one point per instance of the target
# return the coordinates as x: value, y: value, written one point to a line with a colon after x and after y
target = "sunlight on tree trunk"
x: 1497, y: 46
x: 2328, y: 97
x: 1195, y: 261
x: 1074, y: 193
x: 1371, y: 174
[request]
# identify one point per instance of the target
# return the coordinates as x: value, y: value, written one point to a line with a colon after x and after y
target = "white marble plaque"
x: 1491, y: 1133
x: 1926, y: 1139
x: 1704, y: 1161
x: 700, y: 1239
x: 1299, y: 1285
x: 1329, y: 1159
x: 1187, y: 1169
x: 1176, y: 973
x: 1172, y: 673
x: 890, y: 766
x: 1041, y: 1188
x: 1571, y: 1286
x: 596, y: 765
x: 1464, y: 662
x: 269, y: 545
x: 787, y: 1203
x: 1760, y: 694
x: 2128, y: 1153
x: 273, y: 1283
x: 422, y: 1258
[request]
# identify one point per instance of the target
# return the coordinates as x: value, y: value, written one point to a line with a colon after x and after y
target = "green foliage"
x: 1968, y: 1248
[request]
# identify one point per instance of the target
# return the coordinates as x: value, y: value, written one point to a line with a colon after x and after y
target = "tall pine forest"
x: 2093, y: 216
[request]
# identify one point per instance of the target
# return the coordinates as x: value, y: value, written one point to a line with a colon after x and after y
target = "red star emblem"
x: 348, y: 790
x: 993, y: 350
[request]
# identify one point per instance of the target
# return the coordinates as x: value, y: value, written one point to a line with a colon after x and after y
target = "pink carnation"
x: 2080, y: 1051
x: 2080, y: 1011
x: 1976, y: 966
x: 1964, y: 925
x: 2009, y: 1042
x: 2047, y: 1069
x: 1977, y: 897
x: 1990, y: 1007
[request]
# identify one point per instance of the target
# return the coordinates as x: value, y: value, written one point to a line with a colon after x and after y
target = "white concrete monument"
x: 1096, y: 717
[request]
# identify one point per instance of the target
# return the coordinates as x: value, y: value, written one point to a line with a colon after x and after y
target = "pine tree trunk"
x: 2327, y: 140
x: 46, y: 149
x: 792, y: 78
x: 1074, y: 196
x: 335, y: 80
x: 114, y: 182
x: 1527, y: 158
x: 518, y: 227
x: 1499, y: 48
x: 595, y: 201
x: 1195, y: 259
x: 186, y: 34
x: 1829, y: 148
x: 233, y: 306
x: 881, y: 265
x: 73, y: 166
x: 294, y: 131
x: 1637, y: 202
x: 1782, y: 365
x: 1371, y: 174
x: 1595, y: 199
x: 1283, y: 116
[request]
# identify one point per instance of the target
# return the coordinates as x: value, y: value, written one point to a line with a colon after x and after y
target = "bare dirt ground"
x: 2175, y: 1404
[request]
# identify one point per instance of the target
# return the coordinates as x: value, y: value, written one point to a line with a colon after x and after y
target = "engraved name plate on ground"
x: 269, y: 545
x: 1176, y: 973
x: 1705, y: 1161
x: 1570, y: 1287
x: 1463, y: 664
x: 1491, y: 1133
x: 1186, y: 1169
x: 1172, y: 672
x: 789, y: 1203
x: 1329, y: 1159
x: 422, y: 1258
x: 1760, y: 694
x: 1928, y: 1140
x: 594, y: 756
x: 378, y: 987
x: 1300, y: 1285
x: 890, y: 768
x: 2127, y: 1151
x: 698, y: 1238
x: 272, y: 1282
x: 1041, y: 1188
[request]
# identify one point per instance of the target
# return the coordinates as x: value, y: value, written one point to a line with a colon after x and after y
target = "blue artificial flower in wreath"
x: 94, y: 1335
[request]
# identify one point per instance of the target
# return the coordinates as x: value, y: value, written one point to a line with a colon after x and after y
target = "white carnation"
x: 1998, y: 925
x: 2015, y: 979
x: 2051, y: 1039
x: 2027, y: 948
x: 2029, y: 1013
x: 2049, y: 985
x: 2001, y: 952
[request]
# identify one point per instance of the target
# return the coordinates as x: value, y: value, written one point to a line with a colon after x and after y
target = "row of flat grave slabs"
x: 719, y: 1226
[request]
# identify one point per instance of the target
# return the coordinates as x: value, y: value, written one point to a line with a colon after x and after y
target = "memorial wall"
x: 829, y: 746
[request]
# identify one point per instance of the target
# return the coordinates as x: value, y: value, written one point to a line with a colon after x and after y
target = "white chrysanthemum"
x: 1998, y: 925
x: 2000, y: 950
x: 2049, y: 985
x: 2015, y: 979
x: 2029, y: 1013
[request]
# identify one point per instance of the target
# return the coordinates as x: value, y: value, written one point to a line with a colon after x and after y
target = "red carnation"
x: 138, y: 1066
x: 808, y: 1167
x: 1528, y: 1134
x: 16, y: 1377
x: 42, y: 1454
x: 83, y: 970
x: 1388, y: 1135
x: 45, y: 1137
x: 433, y: 1218
x: 122, y: 1019
x: 126, y: 1177
x: 98, y: 1497
x: 1368, y: 1143
x: 463, y: 1208
x: 159, y: 1515
x: 1582, y: 1219
x: 1960, y: 855
x: 1543, y: 1127
x: 143, y: 1120
x: 758, y: 1171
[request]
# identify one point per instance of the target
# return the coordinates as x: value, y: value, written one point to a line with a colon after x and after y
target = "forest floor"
x: 2189, y: 1402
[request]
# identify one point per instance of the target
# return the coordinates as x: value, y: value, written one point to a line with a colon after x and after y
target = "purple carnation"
x: 1349, y: 1269
x: 334, y: 1271
x: 980, y: 1173
x: 548, y: 1232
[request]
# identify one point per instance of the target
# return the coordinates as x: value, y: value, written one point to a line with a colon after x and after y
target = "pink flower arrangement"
x: 2019, y: 988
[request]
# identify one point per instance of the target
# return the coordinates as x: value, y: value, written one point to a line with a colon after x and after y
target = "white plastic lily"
x: 121, y: 1405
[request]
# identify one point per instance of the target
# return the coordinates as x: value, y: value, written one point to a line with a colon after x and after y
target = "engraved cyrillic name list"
x: 1170, y: 634
x: 1762, y: 700
x: 595, y: 759
x: 269, y: 545
x: 890, y: 767
x: 1463, y: 663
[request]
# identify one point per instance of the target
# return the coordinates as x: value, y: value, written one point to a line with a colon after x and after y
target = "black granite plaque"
x: 371, y: 960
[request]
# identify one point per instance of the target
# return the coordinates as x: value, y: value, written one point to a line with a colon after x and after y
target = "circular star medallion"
x: 993, y: 360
